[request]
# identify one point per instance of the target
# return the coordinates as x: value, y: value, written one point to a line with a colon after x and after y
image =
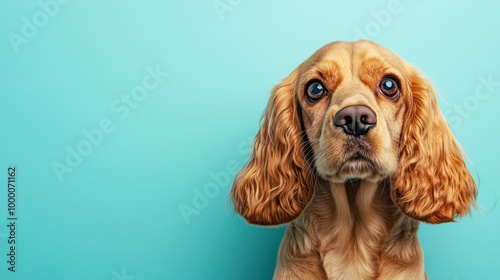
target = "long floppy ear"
x: 432, y: 184
x: 277, y: 182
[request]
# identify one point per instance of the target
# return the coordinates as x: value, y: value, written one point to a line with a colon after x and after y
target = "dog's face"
x: 354, y: 111
x: 351, y: 99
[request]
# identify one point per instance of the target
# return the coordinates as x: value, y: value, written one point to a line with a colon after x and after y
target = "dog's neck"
x: 357, y: 217
x: 359, y: 202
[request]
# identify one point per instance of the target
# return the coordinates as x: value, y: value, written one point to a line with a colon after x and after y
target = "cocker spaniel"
x: 352, y: 153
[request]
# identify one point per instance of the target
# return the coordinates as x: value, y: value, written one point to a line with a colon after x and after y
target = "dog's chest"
x: 352, y: 254
x: 352, y: 243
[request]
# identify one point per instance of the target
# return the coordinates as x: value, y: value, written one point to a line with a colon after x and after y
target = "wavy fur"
x: 277, y: 183
x: 432, y: 183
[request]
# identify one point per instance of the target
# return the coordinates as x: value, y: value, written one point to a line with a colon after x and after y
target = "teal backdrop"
x: 126, y: 121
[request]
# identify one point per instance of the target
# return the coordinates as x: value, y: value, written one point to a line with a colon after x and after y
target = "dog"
x: 352, y: 153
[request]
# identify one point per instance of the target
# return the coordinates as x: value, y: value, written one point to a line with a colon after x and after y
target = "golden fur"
x: 353, y: 219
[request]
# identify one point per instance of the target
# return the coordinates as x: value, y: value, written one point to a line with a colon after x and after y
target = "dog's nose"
x: 355, y: 120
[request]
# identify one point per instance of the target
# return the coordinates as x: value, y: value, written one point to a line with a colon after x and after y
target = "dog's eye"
x: 315, y: 91
x: 389, y: 87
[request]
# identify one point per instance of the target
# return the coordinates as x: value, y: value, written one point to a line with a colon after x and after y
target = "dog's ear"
x: 277, y: 182
x: 432, y: 184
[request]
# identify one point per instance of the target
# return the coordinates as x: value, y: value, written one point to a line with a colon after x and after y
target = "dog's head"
x: 354, y: 111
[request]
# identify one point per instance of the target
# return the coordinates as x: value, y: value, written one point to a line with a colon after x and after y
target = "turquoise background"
x: 117, y: 215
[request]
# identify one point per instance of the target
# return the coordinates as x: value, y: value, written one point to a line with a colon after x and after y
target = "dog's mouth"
x: 358, y: 151
x: 357, y: 165
x: 356, y: 161
x: 360, y: 160
x: 359, y: 157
